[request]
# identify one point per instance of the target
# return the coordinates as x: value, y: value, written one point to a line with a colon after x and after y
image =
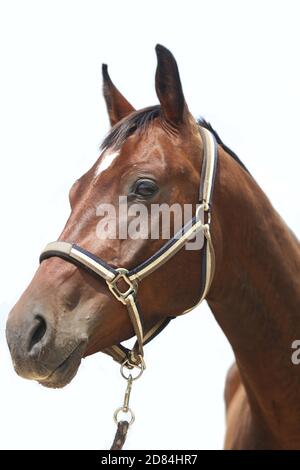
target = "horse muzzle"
x: 39, y: 353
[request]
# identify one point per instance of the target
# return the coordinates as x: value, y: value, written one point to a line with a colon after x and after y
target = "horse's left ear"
x: 117, y: 106
x: 168, y: 87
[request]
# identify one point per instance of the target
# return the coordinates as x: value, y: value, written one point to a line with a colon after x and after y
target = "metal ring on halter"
x: 114, y: 288
x: 141, y: 367
x: 128, y: 411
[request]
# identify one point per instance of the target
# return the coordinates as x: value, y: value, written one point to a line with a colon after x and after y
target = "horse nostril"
x: 38, y: 332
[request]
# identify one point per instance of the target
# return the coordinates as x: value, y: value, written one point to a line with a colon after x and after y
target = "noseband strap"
x: 117, y: 277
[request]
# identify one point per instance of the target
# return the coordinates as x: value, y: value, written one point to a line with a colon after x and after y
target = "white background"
x: 239, y: 63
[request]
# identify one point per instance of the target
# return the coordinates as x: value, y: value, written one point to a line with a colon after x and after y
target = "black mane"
x: 203, y: 123
x: 136, y: 121
x: 140, y: 120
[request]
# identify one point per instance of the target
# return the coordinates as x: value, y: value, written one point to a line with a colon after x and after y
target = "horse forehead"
x: 155, y: 146
x: 106, y: 160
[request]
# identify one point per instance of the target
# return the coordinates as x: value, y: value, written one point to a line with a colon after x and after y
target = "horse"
x: 154, y: 155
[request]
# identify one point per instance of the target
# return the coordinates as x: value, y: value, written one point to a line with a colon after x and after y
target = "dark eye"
x: 145, y: 188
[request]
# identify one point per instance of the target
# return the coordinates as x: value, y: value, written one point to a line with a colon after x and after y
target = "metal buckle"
x: 205, y: 207
x: 113, y: 285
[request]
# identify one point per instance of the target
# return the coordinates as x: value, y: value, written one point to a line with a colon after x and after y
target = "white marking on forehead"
x: 106, y: 160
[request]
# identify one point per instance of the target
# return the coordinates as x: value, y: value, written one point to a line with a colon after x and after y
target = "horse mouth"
x: 66, y: 370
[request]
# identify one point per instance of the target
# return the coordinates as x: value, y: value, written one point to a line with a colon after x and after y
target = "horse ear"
x: 117, y: 106
x: 168, y: 86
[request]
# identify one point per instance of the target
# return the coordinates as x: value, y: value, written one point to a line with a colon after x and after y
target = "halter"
x: 131, y: 358
x: 84, y: 259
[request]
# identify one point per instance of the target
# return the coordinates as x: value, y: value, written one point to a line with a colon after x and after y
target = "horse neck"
x: 255, y: 293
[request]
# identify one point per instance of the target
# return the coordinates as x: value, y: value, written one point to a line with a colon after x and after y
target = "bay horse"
x: 154, y: 155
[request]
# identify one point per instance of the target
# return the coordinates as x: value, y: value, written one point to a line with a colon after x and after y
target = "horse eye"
x: 145, y: 188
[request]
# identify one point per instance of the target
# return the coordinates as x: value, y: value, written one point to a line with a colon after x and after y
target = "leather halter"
x: 84, y: 259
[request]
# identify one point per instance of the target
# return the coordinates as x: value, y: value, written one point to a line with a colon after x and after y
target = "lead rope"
x: 124, y: 424
x: 120, y: 436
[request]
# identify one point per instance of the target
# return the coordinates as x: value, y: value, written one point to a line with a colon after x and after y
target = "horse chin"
x: 66, y: 371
